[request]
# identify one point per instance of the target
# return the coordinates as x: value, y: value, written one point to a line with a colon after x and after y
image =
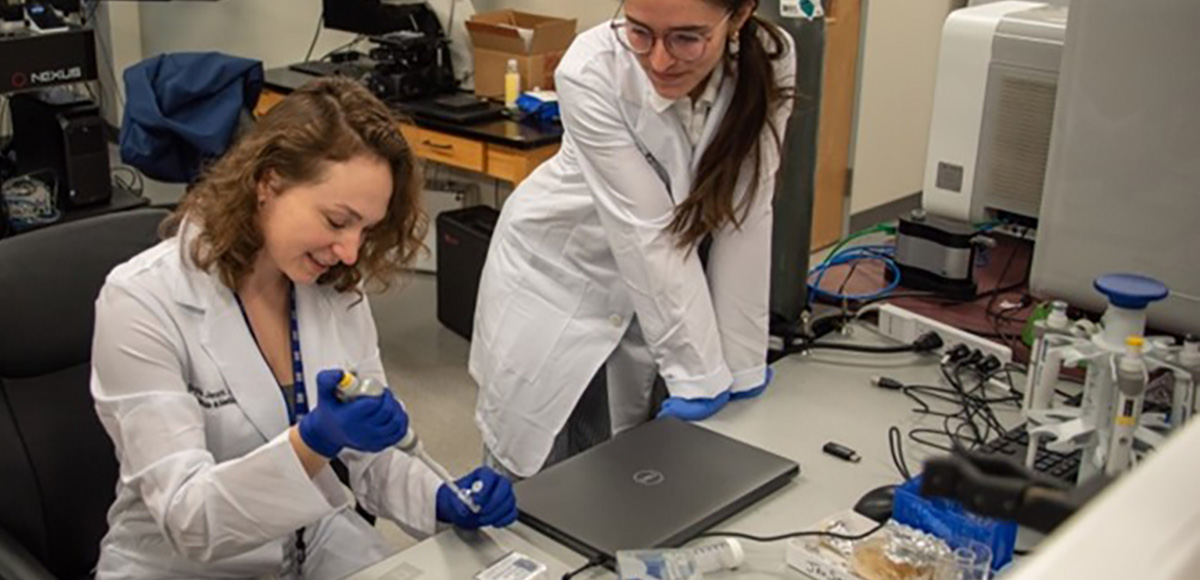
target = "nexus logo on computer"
x: 648, y: 477
x: 56, y: 75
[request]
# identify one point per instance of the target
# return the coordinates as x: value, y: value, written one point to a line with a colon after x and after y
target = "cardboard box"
x: 536, y: 42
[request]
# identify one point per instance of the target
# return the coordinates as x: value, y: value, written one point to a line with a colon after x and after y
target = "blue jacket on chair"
x: 183, y: 110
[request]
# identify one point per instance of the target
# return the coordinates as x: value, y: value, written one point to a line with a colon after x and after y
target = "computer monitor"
x: 67, y: 6
x: 1121, y: 176
x: 373, y: 17
x: 356, y: 16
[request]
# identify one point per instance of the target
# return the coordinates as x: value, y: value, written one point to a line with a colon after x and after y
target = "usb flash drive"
x: 841, y: 451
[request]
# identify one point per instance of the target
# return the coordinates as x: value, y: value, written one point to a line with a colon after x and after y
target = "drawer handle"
x: 443, y: 147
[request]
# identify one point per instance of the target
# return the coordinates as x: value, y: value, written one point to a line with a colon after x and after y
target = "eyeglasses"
x: 684, y: 45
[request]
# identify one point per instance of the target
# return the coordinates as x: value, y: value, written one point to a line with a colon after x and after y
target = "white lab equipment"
x: 351, y: 387
x: 993, y: 110
x: 680, y: 564
x: 1131, y: 390
x: 1183, y: 404
x: 1108, y: 426
x: 1039, y: 388
x: 1067, y: 125
x: 1056, y: 321
x: 1143, y: 525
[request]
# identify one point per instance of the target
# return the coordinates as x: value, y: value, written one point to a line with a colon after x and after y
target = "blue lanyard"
x: 299, y: 408
x: 298, y: 391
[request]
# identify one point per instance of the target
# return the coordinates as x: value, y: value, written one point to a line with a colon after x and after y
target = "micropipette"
x: 351, y: 387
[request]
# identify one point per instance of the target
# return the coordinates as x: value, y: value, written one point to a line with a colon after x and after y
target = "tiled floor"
x: 427, y: 367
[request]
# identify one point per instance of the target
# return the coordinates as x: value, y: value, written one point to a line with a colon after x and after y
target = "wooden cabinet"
x: 449, y: 149
x: 266, y: 100
x: 514, y: 165
x: 504, y: 163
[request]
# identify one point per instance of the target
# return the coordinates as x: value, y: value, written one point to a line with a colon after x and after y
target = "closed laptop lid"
x: 658, y: 484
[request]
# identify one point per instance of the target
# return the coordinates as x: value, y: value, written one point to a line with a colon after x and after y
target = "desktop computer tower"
x: 63, y: 133
x: 462, y: 245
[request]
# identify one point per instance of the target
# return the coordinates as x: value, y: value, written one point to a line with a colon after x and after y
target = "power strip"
x: 905, y: 326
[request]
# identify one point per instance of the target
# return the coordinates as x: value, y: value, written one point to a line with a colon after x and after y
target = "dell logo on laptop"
x: 648, y: 477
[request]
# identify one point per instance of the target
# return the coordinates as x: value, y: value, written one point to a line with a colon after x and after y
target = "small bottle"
x: 1189, y: 355
x: 1057, y: 319
x: 1183, y: 406
x: 679, y: 564
x: 723, y: 554
x: 512, y: 84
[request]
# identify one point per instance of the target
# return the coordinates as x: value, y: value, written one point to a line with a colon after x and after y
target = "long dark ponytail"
x: 710, y: 205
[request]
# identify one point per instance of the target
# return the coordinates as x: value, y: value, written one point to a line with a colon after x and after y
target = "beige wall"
x: 118, y: 45
x: 899, y: 62
x: 278, y: 32
x: 898, y: 68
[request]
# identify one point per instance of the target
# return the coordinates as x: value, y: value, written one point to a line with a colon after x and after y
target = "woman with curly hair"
x: 207, y: 347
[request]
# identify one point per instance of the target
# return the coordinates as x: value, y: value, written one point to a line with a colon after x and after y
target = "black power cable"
x: 890, y: 349
x: 896, y: 447
x: 316, y: 35
x: 926, y: 342
x: 970, y: 421
x: 591, y: 563
x: 807, y: 534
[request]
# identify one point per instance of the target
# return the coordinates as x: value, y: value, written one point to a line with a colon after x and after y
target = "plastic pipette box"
x: 948, y: 520
x: 514, y: 566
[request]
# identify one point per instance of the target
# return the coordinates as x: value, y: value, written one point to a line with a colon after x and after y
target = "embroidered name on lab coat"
x: 212, y: 400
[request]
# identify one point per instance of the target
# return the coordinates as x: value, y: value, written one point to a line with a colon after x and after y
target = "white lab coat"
x: 582, y: 246
x: 209, y: 485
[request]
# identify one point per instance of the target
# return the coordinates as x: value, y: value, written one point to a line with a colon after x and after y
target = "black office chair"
x: 59, y: 469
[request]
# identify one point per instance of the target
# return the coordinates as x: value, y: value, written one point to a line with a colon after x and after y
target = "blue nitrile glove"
x: 498, y: 505
x: 692, y: 409
x: 369, y: 424
x: 756, y: 391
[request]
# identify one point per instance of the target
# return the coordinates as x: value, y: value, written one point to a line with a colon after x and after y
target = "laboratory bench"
x: 502, y: 148
x: 815, y: 398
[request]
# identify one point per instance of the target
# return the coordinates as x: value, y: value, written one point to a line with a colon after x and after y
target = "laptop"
x: 657, y: 485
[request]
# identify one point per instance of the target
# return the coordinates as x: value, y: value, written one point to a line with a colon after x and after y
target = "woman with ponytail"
x: 640, y: 253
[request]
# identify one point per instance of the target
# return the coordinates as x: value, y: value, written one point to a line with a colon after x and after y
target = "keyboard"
x: 1013, y: 445
x: 330, y: 69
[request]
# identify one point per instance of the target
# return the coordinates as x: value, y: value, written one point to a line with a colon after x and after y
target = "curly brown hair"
x: 326, y: 120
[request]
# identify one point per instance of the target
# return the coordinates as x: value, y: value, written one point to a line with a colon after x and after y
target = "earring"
x: 734, y: 45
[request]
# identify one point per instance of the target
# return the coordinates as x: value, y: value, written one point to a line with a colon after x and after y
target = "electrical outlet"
x: 905, y: 326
